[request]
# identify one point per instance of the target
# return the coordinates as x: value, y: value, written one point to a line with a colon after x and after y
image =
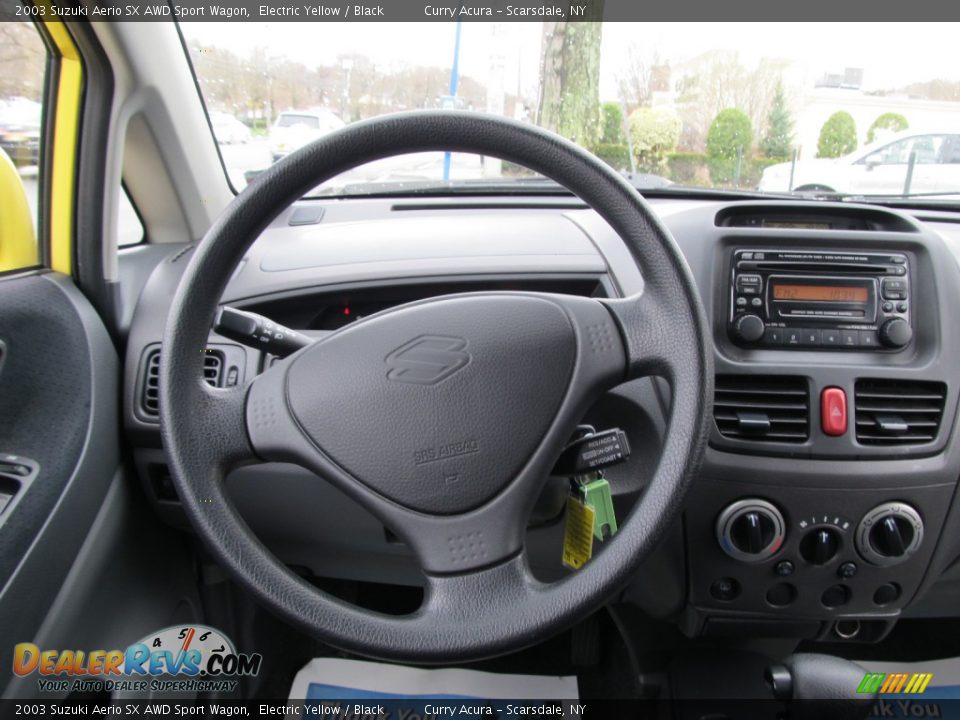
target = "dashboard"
x: 826, y: 504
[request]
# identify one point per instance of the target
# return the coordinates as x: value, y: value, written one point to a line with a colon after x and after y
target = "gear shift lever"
x: 809, y: 676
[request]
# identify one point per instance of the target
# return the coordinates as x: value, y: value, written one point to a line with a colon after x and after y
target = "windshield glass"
x: 292, y: 120
x: 862, y: 109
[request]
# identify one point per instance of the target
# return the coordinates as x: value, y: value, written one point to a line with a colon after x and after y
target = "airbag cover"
x: 437, y: 405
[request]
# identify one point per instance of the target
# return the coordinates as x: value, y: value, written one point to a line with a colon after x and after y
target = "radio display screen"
x: 821, y: 293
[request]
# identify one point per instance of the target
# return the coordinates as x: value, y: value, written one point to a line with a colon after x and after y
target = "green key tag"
x: 596, y: 494
x: 578, y: 533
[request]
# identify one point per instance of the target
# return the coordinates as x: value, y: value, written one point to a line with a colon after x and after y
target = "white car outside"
x: 295, y: 128
x: 878, y: 169
x: 228, y: 130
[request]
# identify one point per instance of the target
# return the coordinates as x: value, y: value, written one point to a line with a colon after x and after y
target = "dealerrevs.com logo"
x: 183, y: 658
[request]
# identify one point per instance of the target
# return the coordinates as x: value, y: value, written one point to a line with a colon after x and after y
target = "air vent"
x: 762, y: 409
x: 898, y: 412
x: 150, y: 395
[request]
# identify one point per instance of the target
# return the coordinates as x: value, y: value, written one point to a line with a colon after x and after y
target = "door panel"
x: 59, y: 408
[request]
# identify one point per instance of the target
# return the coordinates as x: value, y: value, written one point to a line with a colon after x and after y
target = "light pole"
x: 347, y: 65
x: 454, y: 83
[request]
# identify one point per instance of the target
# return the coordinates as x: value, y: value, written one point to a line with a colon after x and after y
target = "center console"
x: 826, y: 486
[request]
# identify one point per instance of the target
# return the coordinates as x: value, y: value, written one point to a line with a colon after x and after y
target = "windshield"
x: 860, y: 110
x: 291, y: 120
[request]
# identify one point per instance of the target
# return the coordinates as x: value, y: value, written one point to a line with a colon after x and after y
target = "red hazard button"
x: 833, y: 411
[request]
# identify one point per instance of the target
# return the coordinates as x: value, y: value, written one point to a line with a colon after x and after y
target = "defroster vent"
x: 762, y: 408
x: 150, y: 390
x: 898, y: 412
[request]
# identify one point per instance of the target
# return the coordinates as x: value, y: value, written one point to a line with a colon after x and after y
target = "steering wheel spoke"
x: 653, y: 342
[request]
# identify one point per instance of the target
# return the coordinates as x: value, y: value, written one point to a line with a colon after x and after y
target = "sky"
x: 892, y: 54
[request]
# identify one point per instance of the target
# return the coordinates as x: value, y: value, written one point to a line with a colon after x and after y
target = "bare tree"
x: 22, y: 61
x: 638, y: 78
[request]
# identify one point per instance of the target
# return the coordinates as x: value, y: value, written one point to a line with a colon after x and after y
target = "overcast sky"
x: 892, y: 54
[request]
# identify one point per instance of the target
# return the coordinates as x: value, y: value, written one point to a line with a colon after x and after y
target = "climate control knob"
x: 820, y: 545
x: 889, y: 534
x: 750, y: 530
x: 748, y: 328
x: 896, y: 333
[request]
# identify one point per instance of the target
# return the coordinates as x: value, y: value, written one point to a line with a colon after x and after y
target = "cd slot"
x: 781, y: 266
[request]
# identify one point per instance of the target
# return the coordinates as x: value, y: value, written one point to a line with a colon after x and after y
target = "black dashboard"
x: 826, y: 505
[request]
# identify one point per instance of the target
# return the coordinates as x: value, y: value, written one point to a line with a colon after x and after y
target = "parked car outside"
x: 295, y: 128
x: 20, y: 130
x: 228, y: 130
x: 877, y: 169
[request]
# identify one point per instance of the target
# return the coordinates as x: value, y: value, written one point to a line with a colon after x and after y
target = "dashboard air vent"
x: 762, y: 409
x: 150, y: 391
x: 898, y: 412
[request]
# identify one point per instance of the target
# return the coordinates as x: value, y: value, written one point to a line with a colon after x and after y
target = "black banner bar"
x: 734, y: 11
x: 916, y: 706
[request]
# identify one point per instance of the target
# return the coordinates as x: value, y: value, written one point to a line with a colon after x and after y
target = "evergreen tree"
x: 776, y: 142
x: 838, y: 136
x: 728, y: 146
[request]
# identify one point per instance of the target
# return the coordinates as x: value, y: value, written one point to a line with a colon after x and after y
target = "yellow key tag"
x: 578, y: 533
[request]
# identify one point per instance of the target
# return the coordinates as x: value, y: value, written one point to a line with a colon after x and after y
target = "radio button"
x: 756, y: 302
x: 773, y: 336
x: 810, y: 337
x: 868, y: 338
x: 742, y: 302
x: 749, y: 284
x: 792, y: 336
x: 893, y: 289
x: 901, y: 307
x: 887, y: 307
x: 830, y: 338
x: 849, y: 338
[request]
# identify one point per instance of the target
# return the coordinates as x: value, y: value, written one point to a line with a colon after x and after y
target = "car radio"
x: 801, y: 299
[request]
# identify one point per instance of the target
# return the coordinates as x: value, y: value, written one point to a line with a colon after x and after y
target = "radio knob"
x: 748, y: 328
x: 896, y: 333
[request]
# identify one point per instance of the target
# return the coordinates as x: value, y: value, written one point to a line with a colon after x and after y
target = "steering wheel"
x: 442, y: 417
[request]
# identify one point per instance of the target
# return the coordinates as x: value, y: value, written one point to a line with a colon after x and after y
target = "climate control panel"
x: 787, y: 552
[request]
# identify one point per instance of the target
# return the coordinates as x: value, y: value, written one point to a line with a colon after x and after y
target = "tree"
x: 838, y: 136
x: 777, y: 140
x: 611, y: 124
x: 655, y: 133
x: 716, y: 80
x: 639, y: 76
x: 22, y: 61
x: 570, y: 84
x: 895, y: 122
x: 728, y: 145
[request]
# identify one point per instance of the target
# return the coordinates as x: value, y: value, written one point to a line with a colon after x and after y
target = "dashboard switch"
x: 833, y: 411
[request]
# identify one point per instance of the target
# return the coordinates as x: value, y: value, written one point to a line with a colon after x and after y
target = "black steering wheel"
x: 442, y: 417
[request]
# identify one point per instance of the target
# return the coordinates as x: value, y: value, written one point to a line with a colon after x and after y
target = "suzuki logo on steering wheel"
x: 427, y: 359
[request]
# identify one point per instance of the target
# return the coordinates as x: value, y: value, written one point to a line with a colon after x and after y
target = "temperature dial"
x: 750, y: 530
